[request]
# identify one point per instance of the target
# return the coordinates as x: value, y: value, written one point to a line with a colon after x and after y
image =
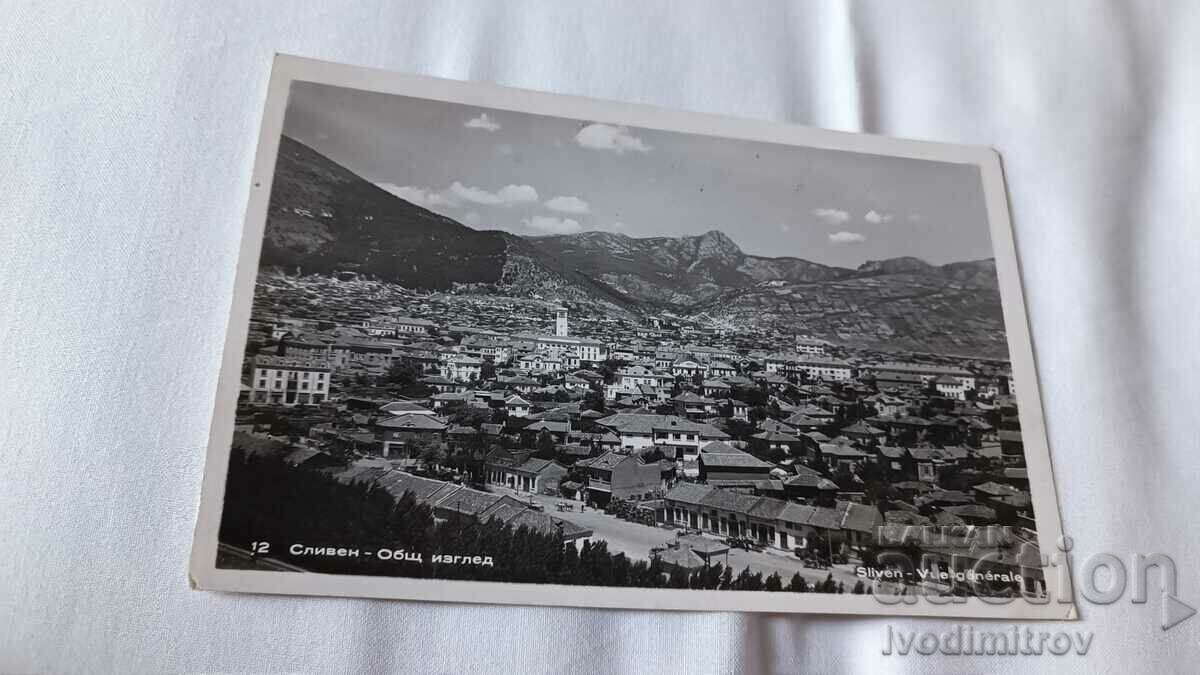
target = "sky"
x: 538, y: 175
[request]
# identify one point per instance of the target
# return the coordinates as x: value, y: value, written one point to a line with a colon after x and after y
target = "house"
x: 632, y: 376
x: 718, y: 369
x: 693, y: 406
x: 840, y: 457
x: 951, y: 387
x: 520, y: 383
x: 289, y: 381
x: 1012, y: 448
x: 440, y: 384
x: 820, y: 367
x: 557, y: 429
x: 811, y: 487
x: 886, y: 405
x: 904, y: 374
x: 400, y: 432
x: 540, y: 363
x: 863, y: 433
x: 617, y: 476
x: 930, y: 462
x: 519, y: 471
x: 770, y: 521
x: 779, y: 441
x: 738, y: 410
x: 716, y: 388
x: 731, y: 466
x: 517, y: 406
x: 639, y: 430
x: 688, y: 368
x: 405, y: 408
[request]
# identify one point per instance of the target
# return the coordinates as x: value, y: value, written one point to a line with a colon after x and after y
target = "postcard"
x: 501, y: 346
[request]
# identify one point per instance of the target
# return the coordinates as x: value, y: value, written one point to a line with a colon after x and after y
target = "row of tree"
x: 267, y: 500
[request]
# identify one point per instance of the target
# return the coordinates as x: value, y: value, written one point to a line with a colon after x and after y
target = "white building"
x: 397, y: 325
x: 289, y: 381
x: 461, y: 367
x: 926, y: 372
x: 560, y: 322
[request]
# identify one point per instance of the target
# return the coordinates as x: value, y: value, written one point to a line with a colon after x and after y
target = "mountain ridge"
x: 325, y: 219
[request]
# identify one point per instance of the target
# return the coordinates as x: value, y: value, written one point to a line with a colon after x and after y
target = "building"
x: 687, y: 368
x: 289, y: 381
x: 460, y: 367
x: 820, y: 367
x: 906, y: 374
x: 405, y: 408
x: 632, y: 377
x: 769, y: 521
x: 811, y: 345
x: 389, y: 325
x: 516, y: 469
x: 951, y: 387
x: 640, y: 430
x: 619, y: 476
x: 516, y: 406
x: 401, y: 432
x: 887, y: 405
x: 722, y: 462
x: 693, y: 406
x: 560, y: 322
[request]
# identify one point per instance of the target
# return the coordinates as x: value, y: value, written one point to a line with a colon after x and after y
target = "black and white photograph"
x: 538, y: 353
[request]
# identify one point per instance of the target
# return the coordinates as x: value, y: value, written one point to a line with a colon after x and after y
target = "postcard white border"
x: 206, y: 576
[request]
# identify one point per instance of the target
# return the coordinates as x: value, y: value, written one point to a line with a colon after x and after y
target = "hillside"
x: 954, y: 308
x: 675, y: 270
x: 324, y: 219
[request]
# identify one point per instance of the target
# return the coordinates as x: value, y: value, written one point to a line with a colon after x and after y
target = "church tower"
x: 560, y: 321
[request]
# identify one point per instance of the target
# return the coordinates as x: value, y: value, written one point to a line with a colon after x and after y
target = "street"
x: 635, y: 541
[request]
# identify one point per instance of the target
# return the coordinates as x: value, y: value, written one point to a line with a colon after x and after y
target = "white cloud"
x: 472, y: 218
x: 915, y: 218
x: 567, y: 205
x: 418, y: 195
x: 607, y: 137
x: 846, y: 238
x: 784, y: 227
x: 505, y: 196
x: 832, y: 216
x: 457, y: 194
x: 876, y: 217
x: 552, y: 225
x: 483, y: 122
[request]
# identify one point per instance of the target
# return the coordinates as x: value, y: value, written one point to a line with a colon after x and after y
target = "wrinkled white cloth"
x: 127, y: 133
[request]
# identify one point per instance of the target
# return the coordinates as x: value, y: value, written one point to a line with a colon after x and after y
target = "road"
x: 635, y: 541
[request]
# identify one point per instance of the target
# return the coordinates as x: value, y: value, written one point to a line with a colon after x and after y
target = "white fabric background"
x: 126, y: 139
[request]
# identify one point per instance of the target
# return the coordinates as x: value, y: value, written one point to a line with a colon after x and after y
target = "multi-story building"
x: 289, y: 381
x: 925, y: 372
x: 388, y: 325
x: 619, y: 476
x: 637, y: 430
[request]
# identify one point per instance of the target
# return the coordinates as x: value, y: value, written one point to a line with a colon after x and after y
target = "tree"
x: 859, y: 587
x: 774, y: 582
x: 430, y: 453
x: 487, y: 371
x: 546, y: 447
x: 797, y: 584
x: 727, y: 579
x: 593, y: 400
